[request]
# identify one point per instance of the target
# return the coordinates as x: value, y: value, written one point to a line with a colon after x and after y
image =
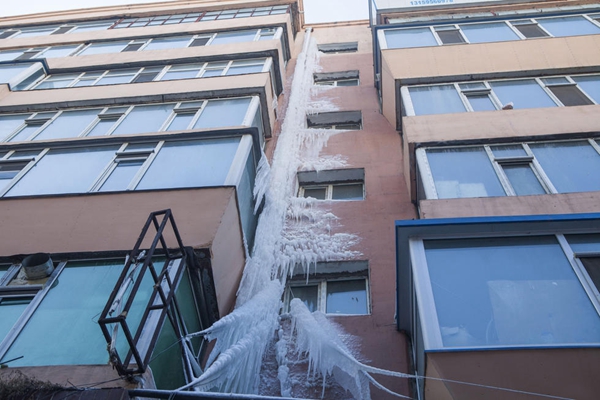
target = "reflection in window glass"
x: 523, y: 179
x: 181, y: 121
x: 525, y: 93
x: 11, y: 309
x: 226, y: 112
x: 103, y: 48
x: 191, y: 164
x: 347, y: 192
x: 584, y: 243
x: 439, y: 99
x: 117, y: 76
x: 59, y: 51
x: 465, y: 172
x: 61, y: 323
x: 568, y: 26
x: 102, y: 127
x: 481, y: 102
x: 571, y: 166
x: 168, y: 43
x: 9, y: 123
x: 308, y: 295
x: 122, y: 175
x: 347, y: 297
x: 233, y: 37
x: 590, y: 84
x: 64, y: 171
x: 508, y: 291
x: 488, y: 32
x: 144, y: 119
x: 405, y: 38
x: 319, y: 192
x: 68, y: 124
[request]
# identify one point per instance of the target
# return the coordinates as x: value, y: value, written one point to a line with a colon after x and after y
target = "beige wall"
x: 565, y: 373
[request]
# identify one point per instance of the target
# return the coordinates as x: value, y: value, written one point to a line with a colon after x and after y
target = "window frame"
x: 322, y: 294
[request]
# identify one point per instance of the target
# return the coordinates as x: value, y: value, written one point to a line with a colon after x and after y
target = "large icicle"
x: 290, y: 232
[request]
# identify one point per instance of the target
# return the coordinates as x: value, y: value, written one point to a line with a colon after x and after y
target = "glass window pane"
x: 439, y: 99
x: 531, y: 30
x: 144, y: 119
x: 571, y: 166
x: 508, y: 291
x: 465, y: 172
x: 25, y: 133
x: 227, y: 112
x: 319, y: 193
x: 213, y: 72
x: 180, y: 73
x: 11, y: 309
x: 488, y: 32
x: 590, y: 84
x: 60, y: 322
x: 524, y: 93
x: 9, y: 123
x: 56, y: 82
x: 347, y: 297
x: 64, y: 171
x: 234, y: 37
x: 202, y: 41
x: 68, y: 124
x: 122, y: 175
x: 102, y: 127
x: 9, y: 71
x: 570, y: 95
x: 10, y: 54
x: 181, y: 121
x: 103, y: 48
x: 450, y: 36
x: 59, y: 51
x: 191, y: 164
x: 308, y: 295
x: 523, y: 180
x: 119, y: 76
x: 584, y: 243
x: 569, y: 26
x: 405, y: 38
x: 25, y: 33
x: 481, y: 102
x: 348, y: 192
x: 168, y: 43
x: 244, y: 69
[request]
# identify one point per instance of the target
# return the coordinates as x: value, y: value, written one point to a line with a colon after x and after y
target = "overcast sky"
x: 316, y: 10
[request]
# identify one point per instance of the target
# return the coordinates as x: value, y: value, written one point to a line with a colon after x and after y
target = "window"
x: 343, y: 78
x: 127, y: 120
x: 488, y: 32
x: 503, y: 94
x: 338, y: 184
x: 343, y: 120
x: 512, y: 169
x: 336, y: 288
x: 335, y: 48
x: 125, y: 166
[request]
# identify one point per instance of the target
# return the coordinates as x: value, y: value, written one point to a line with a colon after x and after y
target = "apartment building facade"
x: 131, y: 137
x: 497, y: 106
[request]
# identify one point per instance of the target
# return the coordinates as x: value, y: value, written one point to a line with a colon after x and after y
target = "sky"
x: 316, y: 10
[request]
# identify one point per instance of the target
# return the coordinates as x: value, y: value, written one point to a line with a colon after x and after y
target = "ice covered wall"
x: 292, y: 232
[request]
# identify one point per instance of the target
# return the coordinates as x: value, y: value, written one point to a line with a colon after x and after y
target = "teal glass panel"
x: 347, y: 297
x: 438, y: 99
x: 227, y: 112
x: 11, y: 309
x: 64, y: 171
x: 488, y: 32
x: 569, y: 26
x: 405, y: 38
x: 463, y: 172
x: 189, y: 312
x: 166, y: 364
x: 144, y: 119
x: 518, y: 291
x: 571, y: 166
x: 68, y: 124
x: 191, y: 164
x: 523, y: 93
